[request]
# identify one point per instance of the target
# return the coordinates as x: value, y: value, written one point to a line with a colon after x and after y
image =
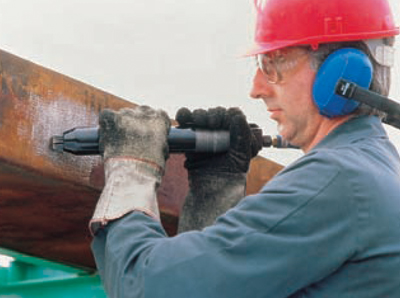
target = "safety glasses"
x: 274, y: 64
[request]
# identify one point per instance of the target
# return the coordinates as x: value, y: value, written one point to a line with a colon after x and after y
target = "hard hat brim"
x: 265, y: 47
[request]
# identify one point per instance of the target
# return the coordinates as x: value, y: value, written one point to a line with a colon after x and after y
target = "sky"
x: 163, y: 53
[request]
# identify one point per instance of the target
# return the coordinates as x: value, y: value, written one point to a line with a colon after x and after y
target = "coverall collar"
x: 355, y: 129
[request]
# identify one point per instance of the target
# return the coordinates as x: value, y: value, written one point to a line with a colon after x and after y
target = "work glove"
x: 134, y: 146
x: 216, y: 181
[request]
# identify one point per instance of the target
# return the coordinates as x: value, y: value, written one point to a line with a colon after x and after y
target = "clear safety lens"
x: 275, y: 63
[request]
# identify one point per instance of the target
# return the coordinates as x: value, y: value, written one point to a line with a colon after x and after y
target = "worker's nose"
x: 261, y: 87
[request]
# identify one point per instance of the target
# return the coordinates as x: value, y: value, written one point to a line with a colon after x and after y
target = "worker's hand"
x: 244, y: 145
x: 217, y: 182
x: 134, y: 146
x: 139, y: 133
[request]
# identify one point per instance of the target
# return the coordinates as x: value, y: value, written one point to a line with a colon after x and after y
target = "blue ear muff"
x: 347, y: 63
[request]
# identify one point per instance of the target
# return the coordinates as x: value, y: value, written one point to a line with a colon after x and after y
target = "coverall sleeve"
x: 270, y: 245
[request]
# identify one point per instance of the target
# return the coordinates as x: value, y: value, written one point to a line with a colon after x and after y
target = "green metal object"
x: 29, y: 277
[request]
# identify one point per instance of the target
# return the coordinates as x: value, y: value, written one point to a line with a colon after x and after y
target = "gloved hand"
x: 244, y: 145
x: 216, y: 181
x: 134, y: 146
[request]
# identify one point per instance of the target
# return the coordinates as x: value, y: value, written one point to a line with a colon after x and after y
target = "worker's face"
x: 288, y: 97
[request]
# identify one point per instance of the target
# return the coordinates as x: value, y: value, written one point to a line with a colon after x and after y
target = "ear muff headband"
x: 347, y: 63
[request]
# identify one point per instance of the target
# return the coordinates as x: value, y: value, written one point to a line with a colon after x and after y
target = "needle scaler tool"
x: 85, y: 141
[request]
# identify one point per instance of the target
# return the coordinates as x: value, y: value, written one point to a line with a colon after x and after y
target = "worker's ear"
x: 347, y: 63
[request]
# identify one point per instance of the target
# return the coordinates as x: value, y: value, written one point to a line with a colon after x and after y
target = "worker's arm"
x: 269, y: 245
x: 134, y: 144
x: 263, y: 244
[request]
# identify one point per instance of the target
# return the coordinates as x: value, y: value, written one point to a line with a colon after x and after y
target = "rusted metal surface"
x: 47, y: 198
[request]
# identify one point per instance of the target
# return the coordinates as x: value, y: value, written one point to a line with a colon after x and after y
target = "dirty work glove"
x: 134, y: 146
x: 216, y: 181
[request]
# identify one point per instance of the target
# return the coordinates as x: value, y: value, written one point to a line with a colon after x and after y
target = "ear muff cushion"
x: 347, y: 63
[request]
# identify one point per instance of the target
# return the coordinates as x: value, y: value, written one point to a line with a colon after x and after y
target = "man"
x: 327, y: 225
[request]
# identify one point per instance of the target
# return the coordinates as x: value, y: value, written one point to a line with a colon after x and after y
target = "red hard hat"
x: 282, y: 23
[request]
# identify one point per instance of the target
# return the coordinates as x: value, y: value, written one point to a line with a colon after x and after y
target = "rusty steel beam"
x: 47, y: 198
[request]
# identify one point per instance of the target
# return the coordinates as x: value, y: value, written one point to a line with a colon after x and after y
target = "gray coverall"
x: 328, y: 225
